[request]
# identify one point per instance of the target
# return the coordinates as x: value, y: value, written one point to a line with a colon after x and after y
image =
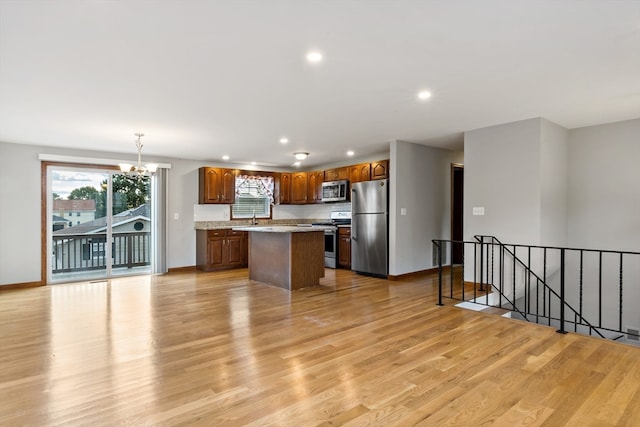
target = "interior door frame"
x: 456, y: 167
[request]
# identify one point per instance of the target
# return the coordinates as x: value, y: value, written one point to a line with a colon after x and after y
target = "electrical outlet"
x: 403, y: 211
x: 478, y: 210
x: 176, y: 215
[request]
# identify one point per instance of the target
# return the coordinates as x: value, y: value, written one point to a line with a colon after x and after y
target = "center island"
x: 290, y: 257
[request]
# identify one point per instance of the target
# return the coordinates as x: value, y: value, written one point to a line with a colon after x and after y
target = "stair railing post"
x: 561, y: 330
x: 481, y: 261
x: 439, y: 273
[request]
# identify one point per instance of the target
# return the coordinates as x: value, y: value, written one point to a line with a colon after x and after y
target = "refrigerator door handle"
x: 353, y: 232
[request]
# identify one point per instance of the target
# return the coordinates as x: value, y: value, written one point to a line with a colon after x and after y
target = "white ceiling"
x: 207, y: 78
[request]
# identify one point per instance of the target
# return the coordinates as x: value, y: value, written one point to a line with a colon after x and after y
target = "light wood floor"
x: 214, y: 349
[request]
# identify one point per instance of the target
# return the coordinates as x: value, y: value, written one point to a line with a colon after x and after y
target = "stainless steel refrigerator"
x: 369, y: 227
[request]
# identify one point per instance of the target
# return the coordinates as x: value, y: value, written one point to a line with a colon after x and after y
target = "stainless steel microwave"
x: 335, y: 191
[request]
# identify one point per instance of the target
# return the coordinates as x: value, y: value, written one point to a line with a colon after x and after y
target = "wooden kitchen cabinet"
x: 344, y: 247
x: 314, y: 189
x: 245, y: 248
x: 380, y: 169
x: 215, y: 247
x: 216, y: 185
x: 360, y: 173
x: 234, y: 250
x: 299, y: 188
x: 336, y: 174
x: 221, y: 249
x: 284, y: 189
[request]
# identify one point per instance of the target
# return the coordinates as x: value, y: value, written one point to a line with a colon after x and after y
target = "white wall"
x: 502, y: 174
x: 604, y: 213
x: 554, y: 158
x: 19, y: 214
x: 183, y: 194
x: 420, y: 182
x: 544, y: 185
x: 604, y: 186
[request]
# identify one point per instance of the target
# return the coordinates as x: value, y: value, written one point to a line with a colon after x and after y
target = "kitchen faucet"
x: 254, y: 221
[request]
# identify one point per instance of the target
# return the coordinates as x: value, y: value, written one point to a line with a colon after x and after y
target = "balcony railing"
x: 83, y: 252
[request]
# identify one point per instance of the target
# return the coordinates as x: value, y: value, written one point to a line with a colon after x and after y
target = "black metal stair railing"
x: 504, y: 302
x: 545, y: 287
x: 548, y: 290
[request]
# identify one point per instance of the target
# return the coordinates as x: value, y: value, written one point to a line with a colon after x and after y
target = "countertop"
x: 213, y: 225
x: 280, y: 228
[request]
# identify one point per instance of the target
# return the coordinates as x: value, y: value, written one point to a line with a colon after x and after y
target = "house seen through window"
x: 254, y: 196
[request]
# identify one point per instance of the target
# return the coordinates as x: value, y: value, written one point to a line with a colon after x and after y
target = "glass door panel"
x: 77, y: 224
x: 131, y: 225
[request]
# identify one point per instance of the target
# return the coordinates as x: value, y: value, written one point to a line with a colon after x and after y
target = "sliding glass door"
x: 98, y: 224
x: 130, y: 225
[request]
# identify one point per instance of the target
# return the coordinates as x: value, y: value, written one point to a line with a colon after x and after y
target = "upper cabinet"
x: 359, y: 173
x: 216, y: 185
x: 299, y: 188
x: 336, y: 174
x: 314, y: 189
x: 380, y: 169
x: 284, y: 189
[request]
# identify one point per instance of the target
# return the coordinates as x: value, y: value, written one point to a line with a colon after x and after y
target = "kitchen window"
x: 254, y: 196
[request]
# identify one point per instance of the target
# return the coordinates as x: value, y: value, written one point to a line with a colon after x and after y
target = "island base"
x: 288, y: 260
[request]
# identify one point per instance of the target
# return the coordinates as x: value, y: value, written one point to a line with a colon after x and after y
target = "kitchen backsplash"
x: 280, y: 212
x: 320, y: 210
x: 211, y: 212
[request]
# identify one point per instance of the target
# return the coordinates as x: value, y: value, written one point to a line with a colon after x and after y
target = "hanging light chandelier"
x: 139, y: 170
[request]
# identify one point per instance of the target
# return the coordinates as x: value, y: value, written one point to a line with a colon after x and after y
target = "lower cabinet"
x: 344, y: 247
x: 221, y: 249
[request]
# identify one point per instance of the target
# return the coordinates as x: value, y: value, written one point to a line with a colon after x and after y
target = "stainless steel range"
x: 331, y: 236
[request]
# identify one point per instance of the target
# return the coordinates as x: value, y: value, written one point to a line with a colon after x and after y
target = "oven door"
x: 330, y: 248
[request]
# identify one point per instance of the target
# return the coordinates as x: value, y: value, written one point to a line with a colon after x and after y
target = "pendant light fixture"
x: 139, y: 170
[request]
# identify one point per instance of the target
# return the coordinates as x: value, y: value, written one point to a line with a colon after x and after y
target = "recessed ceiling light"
x: 225, y: 157
x: 350, y: 153
x: 283, y: 140
x: 254, y: 163
x: 314, y: 57
x: 296, y: 164
x: 424, y: 94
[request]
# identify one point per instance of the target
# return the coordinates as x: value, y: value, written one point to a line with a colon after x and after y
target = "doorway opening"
x: 457, y: 212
